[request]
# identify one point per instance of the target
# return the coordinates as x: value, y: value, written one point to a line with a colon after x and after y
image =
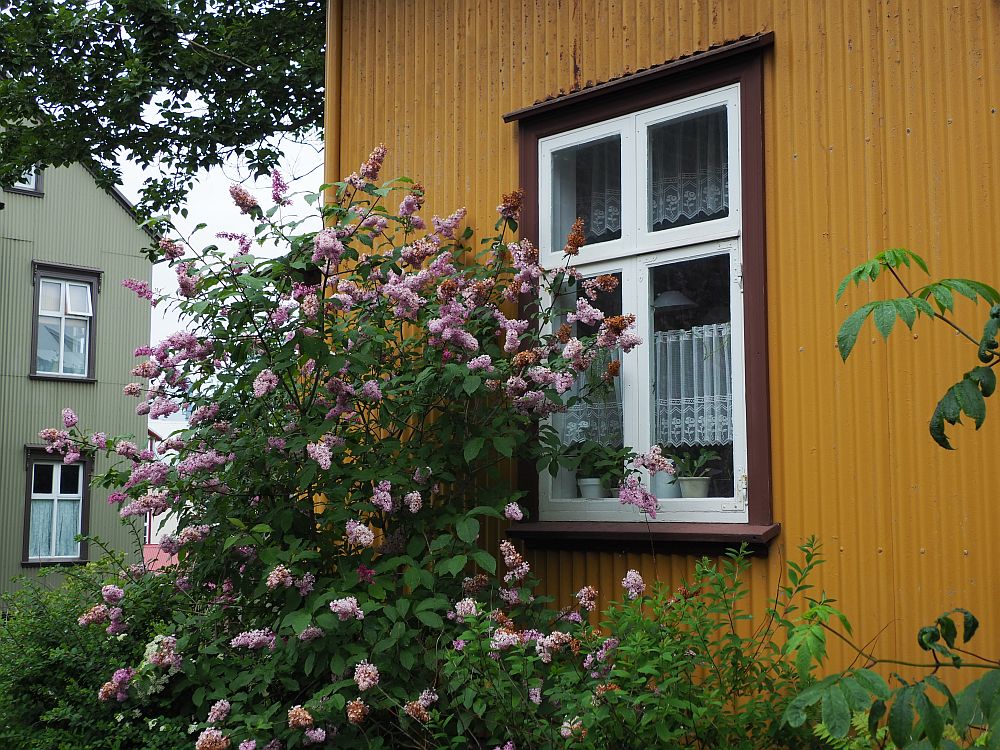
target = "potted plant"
x: 692, y: 471
x: 599, y: 468
x: 664, y: 484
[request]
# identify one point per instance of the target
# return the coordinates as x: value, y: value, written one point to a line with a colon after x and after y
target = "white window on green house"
x: 63, y: 327
x: 660, y: 197
x: 55, y: 510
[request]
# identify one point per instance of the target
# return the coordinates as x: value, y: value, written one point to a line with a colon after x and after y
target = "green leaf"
x: 472, y: 448
x: 471, y: 384
x: 875, y: 716
x: 504, y: 445
x: 906, y: 310
x: 873, y: 683
x: 948, y: 630
x: 901, y: 718
x: 795, y: 713
x: 454, y: 565
x: 930, y: 717
x: 467, y: 530
x: 970, y: 399
x: 943, y: 297
x: 969, y: 625
x: 885, y: 318
x: 835, y: 713
x: 298, y: 620
x: 985, y: 378
x: 968, y: 710
x: 847, y: 336
x: 430, y: 619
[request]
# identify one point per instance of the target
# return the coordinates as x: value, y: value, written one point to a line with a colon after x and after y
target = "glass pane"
x: 592, y: 428
x: 69, y: 480
x: 41, y: 481
x: 50, y: 296
x: 78, y: 299
x: 75, y: 347
x: 67, y: 527
x: 587, y: 184
x: 40, y: 530
x: 49, y: 343
x: 688, y: 170
x: 693, y: 368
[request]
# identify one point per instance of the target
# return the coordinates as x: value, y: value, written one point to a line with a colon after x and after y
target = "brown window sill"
x: 53, y: 563
x: 687, y: 538
x: 61, y: 378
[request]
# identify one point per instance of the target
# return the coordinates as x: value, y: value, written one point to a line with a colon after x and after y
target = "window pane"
x: 41, y: 482
x: 40, y: 530
x: 49, y: 343
x: 693, y: 365
x: 67, y: 527
x: 75, y: 347
x: 587, y: 183
x: 591, y: 428
x: 688, y: 170
x: 50, y: 296
x: 69, y: 480
x: 78, y: 299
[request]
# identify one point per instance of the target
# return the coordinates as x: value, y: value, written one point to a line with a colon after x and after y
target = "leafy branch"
x: 968, y: 395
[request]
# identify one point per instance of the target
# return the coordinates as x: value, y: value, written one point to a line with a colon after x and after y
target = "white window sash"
x: 64, y: 313
x: 56, y: 496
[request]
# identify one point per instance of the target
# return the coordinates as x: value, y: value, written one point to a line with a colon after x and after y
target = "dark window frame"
x: 739, y: 62
x: 34, y: 454
x: 90, y: 276
x: 36, y: 192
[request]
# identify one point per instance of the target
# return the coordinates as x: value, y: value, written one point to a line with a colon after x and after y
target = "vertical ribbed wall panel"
x: 74, y: 224
x: 881, y: 129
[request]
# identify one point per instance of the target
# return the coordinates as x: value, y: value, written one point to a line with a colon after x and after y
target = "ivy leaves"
x: 967, y: 397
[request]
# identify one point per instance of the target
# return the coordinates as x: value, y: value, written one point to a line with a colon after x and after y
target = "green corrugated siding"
x: 75, y: 224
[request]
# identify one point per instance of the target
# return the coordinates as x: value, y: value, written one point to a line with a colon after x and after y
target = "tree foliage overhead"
x: 179, y: 85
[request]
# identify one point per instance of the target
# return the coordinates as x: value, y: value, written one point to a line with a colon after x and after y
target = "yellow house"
x: 732, y: 161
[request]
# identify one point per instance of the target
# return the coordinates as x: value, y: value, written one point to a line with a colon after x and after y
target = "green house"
x: 69, y: 329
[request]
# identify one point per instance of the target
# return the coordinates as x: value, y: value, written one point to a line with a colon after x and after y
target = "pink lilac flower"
x: 72, y: 456
x: 305, y: 584
x: 254, y: 640
x: 409, y: 205
x: 69, y: 418
x: 446, y: 227
x: 117, y: 625
x: 509, y: 745
x: 166, y: 655
x: 311, y: 633
x: 371, y: 391
x: 275, y: 444
x: 248, y: 745
x: 413, y: 501
x: 264, y: 383
x: 655, y: 462
x: 535, y: 695
x: 517, y: 566
x: 280, y: 576
x: 366, y: 675
x: 347, y: 608
x: 278, y: 188
x: 95, y: 615
x: 512, y: 512
x: 212, y: 739
x: 117, y: 687
x: 321, y: 454
x: 185, y: 281
x: 141, y: 288
x: 327, y: 247
x: 585, y: 313
x: 373, y: 165
x: 587, y: 596
x: 633, y: 584
x: 163, y: 407
x: 241, y: 239
x: 467, y: 608
x: 366, y: 574
x: 132, y: 389
x: 483, y: 362
x: 382, y: 497
x: 219, y: 712
x: 171, y: 249
x: 314, y: 736
x: 112, y: 594
x: 242, y: 198
x: 572, y: 728
x: 359, y: 534
x: 599, y: 661
x: 632, y: 492
x: 458, y: 644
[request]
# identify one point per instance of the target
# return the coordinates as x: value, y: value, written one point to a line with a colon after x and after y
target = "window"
x: 56, y: 508
x: 30, y: 184
x: 666, y: 172
x: 64, y: 322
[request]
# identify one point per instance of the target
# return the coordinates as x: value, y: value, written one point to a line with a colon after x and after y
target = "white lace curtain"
x: 598, y: 189
x: 693, y: 386
x: 600, y: 420
x: 689, y: 170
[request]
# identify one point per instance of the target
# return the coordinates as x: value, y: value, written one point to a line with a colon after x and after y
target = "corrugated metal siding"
x: 881, y: 128
x: 75, y: 224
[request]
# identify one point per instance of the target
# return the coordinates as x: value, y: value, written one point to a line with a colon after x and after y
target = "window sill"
x: 697, y: 538
x: 34, y: 193
x: 61, y: 378
x: 53, y: 562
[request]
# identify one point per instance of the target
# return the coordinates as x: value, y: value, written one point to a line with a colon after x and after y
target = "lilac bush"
x: 354, y: 405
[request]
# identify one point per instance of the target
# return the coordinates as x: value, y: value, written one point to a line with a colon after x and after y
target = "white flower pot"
x: 590, y: 487
x: 694, y: 486
x: 665, y: 486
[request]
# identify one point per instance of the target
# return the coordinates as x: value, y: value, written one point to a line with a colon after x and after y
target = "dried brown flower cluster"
x: 299, y: 718
x: 575, y: 239
x: 447, y: 290
x: 510, y: 205
x: 611, y: 371
x: 565, y: 333
x: 416, y: 710
x: 525, y: 359
x: 601, y: 690
x: 474, y: 584
x: 618, y: 324
x: 356, y: 711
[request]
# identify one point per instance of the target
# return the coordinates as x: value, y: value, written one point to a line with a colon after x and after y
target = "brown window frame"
x: 34, y: 454
x: 738, y: 62
x: 38, y: 191
x: 89, y: 276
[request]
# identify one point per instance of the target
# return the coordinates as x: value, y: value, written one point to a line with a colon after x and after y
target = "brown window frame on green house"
x: 739, y: 62
x: 92, y: 277
x: 33, y: 455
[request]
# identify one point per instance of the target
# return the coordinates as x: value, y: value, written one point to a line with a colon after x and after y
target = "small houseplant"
x: 599, y: 468
x: 664, y: 484
x: 692, y: 471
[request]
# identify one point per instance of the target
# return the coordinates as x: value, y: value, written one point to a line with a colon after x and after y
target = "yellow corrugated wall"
x: 881, y: 129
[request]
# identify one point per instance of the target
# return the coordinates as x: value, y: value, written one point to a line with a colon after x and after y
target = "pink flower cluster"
x: 347, y: 608
x: 517, y: 567
x: 280, y: 576
x: 359, y: 534
x: 587, y: 596
x: 655, y: 462
x: 321, y: 454
x: 632, y: 492
x: 264, y: 383
x: 513, y: 512
x: 142, y: 288
x: 365, y: 675
x: 117, y: 686
x: 279, y: 188
x: 242, y: 198
x: 165, y: 655
x: 382, y: 497
x: 219, y: 712
x: 254, y: 640
x: 633, y: 584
